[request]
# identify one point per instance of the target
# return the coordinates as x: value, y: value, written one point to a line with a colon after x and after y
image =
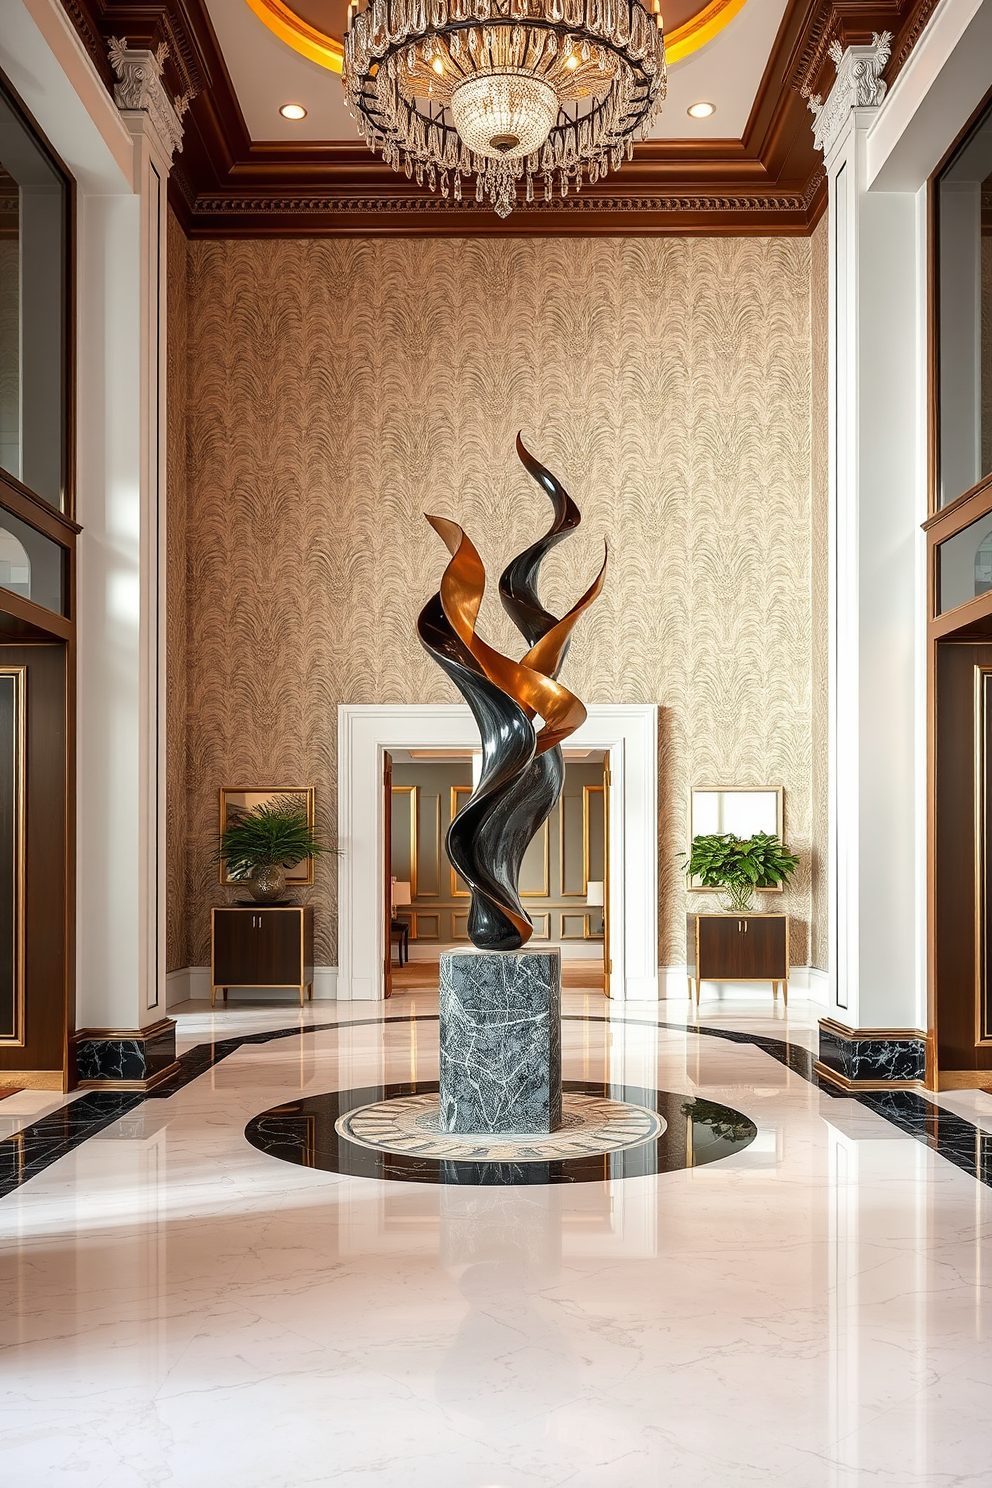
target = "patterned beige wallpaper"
x: 177, y: 952
x: 335, y: 390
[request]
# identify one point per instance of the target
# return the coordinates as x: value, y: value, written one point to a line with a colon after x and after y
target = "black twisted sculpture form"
x: 522, y: 767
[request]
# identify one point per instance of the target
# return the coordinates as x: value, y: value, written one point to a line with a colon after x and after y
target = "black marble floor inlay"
x: 37, y: 1146
x: 34, y: 1148
x: 697, y: 1132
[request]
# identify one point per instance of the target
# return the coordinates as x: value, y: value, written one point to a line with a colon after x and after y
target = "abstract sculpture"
x: 522, y: 766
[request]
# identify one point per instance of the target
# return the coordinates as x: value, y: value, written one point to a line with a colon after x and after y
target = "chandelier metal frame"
x: 615, y: 48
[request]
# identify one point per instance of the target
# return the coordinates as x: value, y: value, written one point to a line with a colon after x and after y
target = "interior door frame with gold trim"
x: 387, y: 887
x: 607, y: 961
x: 366, y: 730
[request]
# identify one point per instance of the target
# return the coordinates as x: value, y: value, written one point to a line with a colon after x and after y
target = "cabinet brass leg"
x: 310, y: 991
x: 774, y: 991
x: 213, y: 994
x: 690, y: 989
x: 698, y: 982
x: 302, y: 994
x: 785, y: 991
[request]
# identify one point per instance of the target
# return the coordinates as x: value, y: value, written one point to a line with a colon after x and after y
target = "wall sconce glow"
x: 701, y: 110
x: 293, y: 111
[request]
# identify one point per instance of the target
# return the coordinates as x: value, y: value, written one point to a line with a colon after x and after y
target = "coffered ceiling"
x: 245, y: 171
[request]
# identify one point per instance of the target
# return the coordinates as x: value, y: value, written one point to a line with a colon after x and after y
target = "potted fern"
x: 259, y: 845
x: 740, y: 866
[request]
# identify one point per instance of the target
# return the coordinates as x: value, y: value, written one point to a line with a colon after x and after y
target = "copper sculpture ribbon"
x: 522, y: 767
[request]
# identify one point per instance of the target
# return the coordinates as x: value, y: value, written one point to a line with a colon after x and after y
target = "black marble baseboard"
x: 127, y: 1060
x: 869, y: 1059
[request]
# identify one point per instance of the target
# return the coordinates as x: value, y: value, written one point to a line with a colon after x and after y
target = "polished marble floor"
x: 179, y: 1308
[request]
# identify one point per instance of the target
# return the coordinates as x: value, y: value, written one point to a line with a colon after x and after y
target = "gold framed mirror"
x: 237, y: 801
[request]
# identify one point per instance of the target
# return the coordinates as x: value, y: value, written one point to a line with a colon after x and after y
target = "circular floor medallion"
x: 591, y: 1124
x: 655, y: 1131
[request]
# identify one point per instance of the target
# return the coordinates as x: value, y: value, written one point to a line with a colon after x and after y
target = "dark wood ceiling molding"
x: 771, y: 181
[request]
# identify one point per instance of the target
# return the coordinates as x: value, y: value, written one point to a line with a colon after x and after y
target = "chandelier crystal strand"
x: 505, y: 90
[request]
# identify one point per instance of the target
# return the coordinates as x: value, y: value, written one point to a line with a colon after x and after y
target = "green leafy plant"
x: 273, y: 834
x: 722, y: 861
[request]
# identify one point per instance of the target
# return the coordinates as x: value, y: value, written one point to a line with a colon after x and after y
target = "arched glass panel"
x: 15, y: 565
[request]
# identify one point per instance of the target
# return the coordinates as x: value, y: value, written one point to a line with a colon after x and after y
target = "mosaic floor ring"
x: 655, y: 1131
x: 590, y: 1124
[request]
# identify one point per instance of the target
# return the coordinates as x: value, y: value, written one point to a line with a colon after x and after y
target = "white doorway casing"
x: 366, y: 732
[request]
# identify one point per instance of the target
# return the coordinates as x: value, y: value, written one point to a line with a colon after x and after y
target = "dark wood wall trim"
x: 770, y: 182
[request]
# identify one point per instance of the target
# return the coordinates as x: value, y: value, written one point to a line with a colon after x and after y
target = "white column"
x: 877, y: 606
x: 121, y: 583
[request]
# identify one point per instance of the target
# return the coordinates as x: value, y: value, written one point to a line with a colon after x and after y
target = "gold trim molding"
x: 830, y: 1025
x: 843, y: 1083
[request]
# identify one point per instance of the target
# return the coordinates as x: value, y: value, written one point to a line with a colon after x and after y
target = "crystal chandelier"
x: 505, y: 90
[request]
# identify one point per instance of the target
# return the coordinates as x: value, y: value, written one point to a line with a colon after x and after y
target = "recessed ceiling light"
x: 701, y: 110
x: 293, y: 111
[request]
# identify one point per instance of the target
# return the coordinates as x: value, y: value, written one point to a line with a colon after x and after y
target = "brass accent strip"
x: 587, y: 791
x: 16, y: 1038
x: 102, y: 1083
x: 413, y: 807
x: 456, y: 791
x: 843, y: 1083
x: 151, y: 1031
x: 832, y: 1026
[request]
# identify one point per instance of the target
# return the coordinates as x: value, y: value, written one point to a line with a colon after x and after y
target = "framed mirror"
x: 237, y: 802
x: 740, y: 809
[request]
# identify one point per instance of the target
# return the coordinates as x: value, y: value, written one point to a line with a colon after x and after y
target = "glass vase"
x: 738, y: 898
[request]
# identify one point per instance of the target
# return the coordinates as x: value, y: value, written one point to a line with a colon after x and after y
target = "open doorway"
x: 369, y: 732
x: 563, y: 880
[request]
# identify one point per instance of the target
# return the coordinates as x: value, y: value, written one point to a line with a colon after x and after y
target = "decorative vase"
x: 267, y: 882
x: 739, y: 898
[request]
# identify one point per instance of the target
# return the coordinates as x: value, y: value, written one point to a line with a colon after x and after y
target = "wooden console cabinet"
x: 738, y: 948
x: 261, y: 946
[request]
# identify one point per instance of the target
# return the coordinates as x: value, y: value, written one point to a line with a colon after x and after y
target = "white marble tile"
x: 178, y: 1308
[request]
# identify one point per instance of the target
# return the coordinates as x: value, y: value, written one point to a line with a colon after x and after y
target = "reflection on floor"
x: 179, y: 1308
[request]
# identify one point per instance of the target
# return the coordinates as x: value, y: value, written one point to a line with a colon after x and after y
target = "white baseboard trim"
x: 580, y: 950
x: 808, y: 980
x: 192, y: 984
